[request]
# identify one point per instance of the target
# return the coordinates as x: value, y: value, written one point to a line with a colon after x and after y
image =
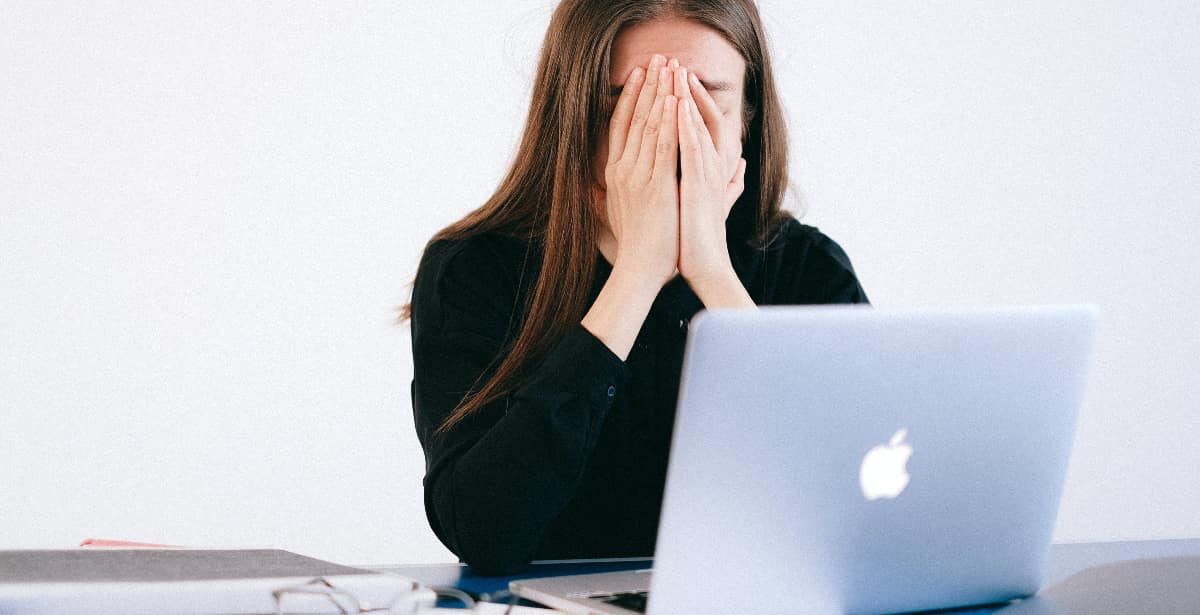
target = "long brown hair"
x: 547, y: 194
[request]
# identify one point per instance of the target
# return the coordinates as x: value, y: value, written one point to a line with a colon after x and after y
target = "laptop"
x: 857, y: 460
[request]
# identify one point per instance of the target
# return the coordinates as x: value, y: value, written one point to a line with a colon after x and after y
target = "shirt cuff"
x: 582, y: 358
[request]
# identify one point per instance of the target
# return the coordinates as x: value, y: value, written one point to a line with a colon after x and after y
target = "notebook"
x: 134, y: 581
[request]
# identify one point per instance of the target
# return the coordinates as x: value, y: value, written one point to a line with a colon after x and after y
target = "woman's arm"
x: 723, y: 291
x: 497, y: 479
x: 620, y: 309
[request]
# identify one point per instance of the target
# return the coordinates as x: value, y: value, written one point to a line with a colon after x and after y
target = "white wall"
x: 208, y: 211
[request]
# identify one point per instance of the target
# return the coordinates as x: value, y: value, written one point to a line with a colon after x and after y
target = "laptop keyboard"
x: 634, y: 601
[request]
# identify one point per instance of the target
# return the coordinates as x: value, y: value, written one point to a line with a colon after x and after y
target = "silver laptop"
x: 857, y: 460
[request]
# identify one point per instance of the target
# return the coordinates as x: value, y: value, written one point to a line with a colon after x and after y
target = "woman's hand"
x: 712, y: 179
x: 642, y: 200
x: 641, y: 203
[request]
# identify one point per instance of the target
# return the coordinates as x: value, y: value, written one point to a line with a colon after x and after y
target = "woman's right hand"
x: 642, y: 201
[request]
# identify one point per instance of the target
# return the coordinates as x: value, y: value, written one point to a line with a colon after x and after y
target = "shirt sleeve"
x: 496, y: 480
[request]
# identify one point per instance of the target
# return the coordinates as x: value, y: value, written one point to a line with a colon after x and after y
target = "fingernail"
x: 683, y: 73
x: 695, y: 79
x: 670, y: 103
x: 674, y: 62
x: 636, y: 74
x: 663, y: 73
x: 657, y: 59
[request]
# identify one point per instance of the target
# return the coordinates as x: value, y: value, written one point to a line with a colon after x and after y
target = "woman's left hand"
x: 712, y: 178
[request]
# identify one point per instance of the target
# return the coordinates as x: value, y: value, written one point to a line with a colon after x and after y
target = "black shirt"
x: 572, y: 464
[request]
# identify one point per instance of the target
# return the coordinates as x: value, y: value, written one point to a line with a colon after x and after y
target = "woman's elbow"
x: 486, y: 550
x: 487, y: 561
x: 486, y: 543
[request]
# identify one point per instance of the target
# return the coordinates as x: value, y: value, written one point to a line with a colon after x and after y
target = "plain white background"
x: 208, y: 212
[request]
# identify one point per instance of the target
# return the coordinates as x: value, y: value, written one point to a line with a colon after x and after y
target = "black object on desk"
x: 482, y: 585
x: 495, y: 589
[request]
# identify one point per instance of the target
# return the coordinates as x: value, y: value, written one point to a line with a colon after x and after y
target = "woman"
x: 548, y: 325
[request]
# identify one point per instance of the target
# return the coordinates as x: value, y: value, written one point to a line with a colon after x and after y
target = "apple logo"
x: 883, y: 474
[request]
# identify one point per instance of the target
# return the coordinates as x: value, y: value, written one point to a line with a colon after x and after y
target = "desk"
x: 1064, y: 560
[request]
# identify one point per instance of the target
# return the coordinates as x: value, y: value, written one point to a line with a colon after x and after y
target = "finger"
x: 708, y: 107
x: 650, y: 136
x: 682, y: 90
x: 709, y: 110
x: 736, y: 186
x: 668, y: 140
x: 707, y: 150
x: 641, y: 111
x: 618, y: 127
x: 682, y: 83
x: 691, y: 156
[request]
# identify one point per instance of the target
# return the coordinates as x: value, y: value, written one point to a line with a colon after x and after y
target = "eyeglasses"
x: 319, y: 595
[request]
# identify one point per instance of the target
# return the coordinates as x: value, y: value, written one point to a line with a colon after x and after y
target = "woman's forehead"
x: 699, y: 48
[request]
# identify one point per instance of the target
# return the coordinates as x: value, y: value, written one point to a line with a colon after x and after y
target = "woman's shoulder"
x: 477, y: 273
x: 812, y: 266
x: 481, y: 252
x: 795, y: 241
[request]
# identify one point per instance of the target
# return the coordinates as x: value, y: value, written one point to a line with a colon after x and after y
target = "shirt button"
x: 683, y: 323
x: 612, y: 391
